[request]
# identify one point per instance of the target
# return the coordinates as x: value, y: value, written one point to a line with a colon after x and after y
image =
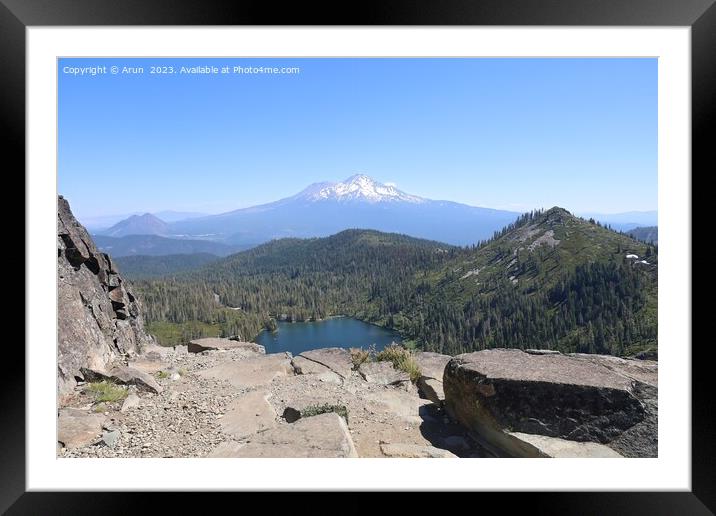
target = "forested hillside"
x: 550, y: 280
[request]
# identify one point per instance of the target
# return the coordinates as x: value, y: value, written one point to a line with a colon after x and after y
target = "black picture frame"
x: 700, y: 15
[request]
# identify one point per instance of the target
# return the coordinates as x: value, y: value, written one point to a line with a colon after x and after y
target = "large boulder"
x: 501, y: 393
x: 99, y: 318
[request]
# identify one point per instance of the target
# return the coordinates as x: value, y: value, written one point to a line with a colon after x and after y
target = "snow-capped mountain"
x: 357, y: 188
x: 326, y: 208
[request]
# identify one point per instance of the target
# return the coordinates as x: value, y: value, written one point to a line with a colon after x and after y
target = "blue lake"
x: 339, y: 332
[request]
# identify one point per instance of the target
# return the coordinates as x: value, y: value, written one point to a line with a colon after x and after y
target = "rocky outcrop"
x: 212, y: 343
x: 502, y: 395
x: 240, y: 403
x: 99, y: 319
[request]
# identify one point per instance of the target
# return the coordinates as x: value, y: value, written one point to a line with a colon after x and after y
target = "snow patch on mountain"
x: 357, y: 188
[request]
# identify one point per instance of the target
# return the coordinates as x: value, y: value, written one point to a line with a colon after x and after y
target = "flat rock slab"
x: 212, y: 343
x: 645, y: 371
x: 336, y: 359
x: 325, y: 435
x: 226, y: 450
x: 251, y: 372
x: 382, y: 373
x: 543, y: 446
x: 305, y: 366
x: 396, y: 402
x: 148, y: 366
x: 432, y: 365
x: 77, y: 428
x: 124, y: 375
x: 553, y: 395
x: 516, y: 365
x: 415, y: 451
x: 248, y: 415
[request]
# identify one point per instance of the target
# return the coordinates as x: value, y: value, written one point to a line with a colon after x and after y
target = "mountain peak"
x: 146, y: 224
x: 358, y: 187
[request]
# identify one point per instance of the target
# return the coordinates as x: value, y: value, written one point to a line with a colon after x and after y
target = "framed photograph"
x: 300, y: 251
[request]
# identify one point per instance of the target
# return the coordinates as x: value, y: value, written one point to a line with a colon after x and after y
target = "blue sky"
x: 503, y: 133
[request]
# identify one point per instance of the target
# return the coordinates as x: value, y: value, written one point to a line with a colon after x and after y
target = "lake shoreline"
x: 403, y: 336
x: 333, y: 331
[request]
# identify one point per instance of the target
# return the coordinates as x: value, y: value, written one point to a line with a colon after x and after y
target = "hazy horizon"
x: 158, y: 212
x: 510, y: 134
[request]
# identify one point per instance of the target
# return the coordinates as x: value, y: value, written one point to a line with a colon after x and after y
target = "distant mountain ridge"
x: 103, y: 222
x: 624, y: 221
x: 359, y: 202
x: 645, y: 234
x: 324, y: 209
x: 154, y: 245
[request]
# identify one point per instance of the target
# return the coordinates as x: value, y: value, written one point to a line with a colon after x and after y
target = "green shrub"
x: 314, y: 410
x: 106, y: 391
x: 359, y: 356
x: 162, y: 374
x: 402, y: 359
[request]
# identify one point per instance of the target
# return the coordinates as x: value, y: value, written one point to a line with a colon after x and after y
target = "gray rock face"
x: 495, y: 392
x: 99, y: 319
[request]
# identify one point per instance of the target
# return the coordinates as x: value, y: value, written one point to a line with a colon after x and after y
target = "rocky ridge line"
x: 99, y: 319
